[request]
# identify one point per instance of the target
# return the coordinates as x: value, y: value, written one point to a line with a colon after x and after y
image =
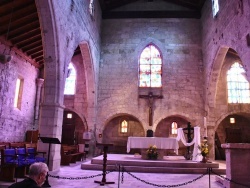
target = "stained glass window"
x: 237, y: 84
x: 150, y: 68
x: 174, y: 128
x: 70, y: 82
x: 124, y: 126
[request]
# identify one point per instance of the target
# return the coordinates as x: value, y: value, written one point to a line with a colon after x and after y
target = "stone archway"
x: 52, y: 105
x: 163, y: 129
x: 112, y: 133
x: 73, y: 128
x: 214, y: 76
x: 242, y: 123
x: 91, y: 87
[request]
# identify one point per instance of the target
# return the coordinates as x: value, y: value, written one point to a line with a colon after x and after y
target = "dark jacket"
x: 26, y: 183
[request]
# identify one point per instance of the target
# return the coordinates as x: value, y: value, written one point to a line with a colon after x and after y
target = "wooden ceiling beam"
x: 151, y: 14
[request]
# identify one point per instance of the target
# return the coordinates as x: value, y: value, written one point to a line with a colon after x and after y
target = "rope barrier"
x: 157, y: 185
x: 227, y: 179
x: 121, y: 170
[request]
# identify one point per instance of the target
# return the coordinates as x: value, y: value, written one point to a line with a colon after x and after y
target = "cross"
x: 189, y: 131
x: 150, y: 98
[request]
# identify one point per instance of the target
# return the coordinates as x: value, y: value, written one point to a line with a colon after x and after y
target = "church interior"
x: 88, y: 72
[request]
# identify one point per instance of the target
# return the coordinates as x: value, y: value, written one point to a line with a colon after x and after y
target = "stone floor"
x: 74, y: 177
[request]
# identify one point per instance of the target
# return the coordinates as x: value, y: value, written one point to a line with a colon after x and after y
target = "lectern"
x: 105, y: 151
x: 49, y: 141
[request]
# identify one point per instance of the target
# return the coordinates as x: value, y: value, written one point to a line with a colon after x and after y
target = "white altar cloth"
x: 145, y: 142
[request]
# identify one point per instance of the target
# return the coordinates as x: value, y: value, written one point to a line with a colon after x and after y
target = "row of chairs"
x: 15, y: 162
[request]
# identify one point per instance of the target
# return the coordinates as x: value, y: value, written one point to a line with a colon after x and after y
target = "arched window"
x: 150, y: 67
x: 215, y: 7
x: 124, y: 126
x: 70, y: 82
x: 237, y: 84
x: 174, y: 128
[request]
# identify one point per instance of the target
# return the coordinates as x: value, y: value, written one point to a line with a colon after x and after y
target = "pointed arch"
x: 150, y: 67
x: 214, y: 76
x: 90, y: 81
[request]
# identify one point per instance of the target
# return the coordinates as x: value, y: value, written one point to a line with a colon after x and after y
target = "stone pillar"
x: 210, y: 139
x: 39, y: 84
x: 51, y: 118
x: 237, y: 164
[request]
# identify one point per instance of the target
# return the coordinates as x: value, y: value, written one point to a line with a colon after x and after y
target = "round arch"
x: 118, y: 115
x: 173, y: 114
x: 112, y: 131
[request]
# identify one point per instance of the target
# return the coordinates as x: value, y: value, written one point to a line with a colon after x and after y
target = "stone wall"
x: 15, y: 122
x: 179, y: 41
x: 228, y: 30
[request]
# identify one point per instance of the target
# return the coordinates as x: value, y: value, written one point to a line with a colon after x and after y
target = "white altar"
x: 145, y: 142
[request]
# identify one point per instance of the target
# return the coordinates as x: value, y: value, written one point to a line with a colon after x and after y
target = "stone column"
x: 51, y: 118
x: 210, y: 139
x: 237, y: 164
x: 39, y: 84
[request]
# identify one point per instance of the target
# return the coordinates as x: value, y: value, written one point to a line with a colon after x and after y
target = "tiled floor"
x: 74, y: 177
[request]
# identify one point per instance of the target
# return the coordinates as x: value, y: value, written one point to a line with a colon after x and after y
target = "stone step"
x: 150, y: 163
x: 167, y: 165
x: 147, y: 169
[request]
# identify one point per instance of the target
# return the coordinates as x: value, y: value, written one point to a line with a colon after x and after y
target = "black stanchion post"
x: 209, y: 173
x: 119, y: 176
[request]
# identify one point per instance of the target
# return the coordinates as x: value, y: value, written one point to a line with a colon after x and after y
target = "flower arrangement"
x: 152, y: 152
x: 204, y: 148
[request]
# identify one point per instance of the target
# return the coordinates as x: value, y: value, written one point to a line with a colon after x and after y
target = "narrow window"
x: 215, y: 7
x: 150, y: 67
x: 18, y: 93
x: 237, y: 84
x: 69, y: 116
x: 70, y: 82
x: 124, y: 126
x: 91, y: 7
x: 174, y: 128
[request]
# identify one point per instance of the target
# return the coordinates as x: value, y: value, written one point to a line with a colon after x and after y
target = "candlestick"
x: 205, y: 126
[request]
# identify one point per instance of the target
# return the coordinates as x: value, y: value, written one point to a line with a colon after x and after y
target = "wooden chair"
x: 32, y: 154
x: 11, y: 168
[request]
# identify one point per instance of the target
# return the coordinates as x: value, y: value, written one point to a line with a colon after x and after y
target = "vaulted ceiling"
x: 20, y: 27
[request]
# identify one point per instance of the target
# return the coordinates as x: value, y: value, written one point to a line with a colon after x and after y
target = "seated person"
x: 37, y: 176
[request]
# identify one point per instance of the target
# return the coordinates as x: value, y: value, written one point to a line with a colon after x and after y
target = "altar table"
x: 145, y: 142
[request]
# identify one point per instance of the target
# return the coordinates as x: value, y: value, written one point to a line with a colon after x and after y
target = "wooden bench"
x: 17, y: 145
x: 6, y: 144
x: 71, y: 154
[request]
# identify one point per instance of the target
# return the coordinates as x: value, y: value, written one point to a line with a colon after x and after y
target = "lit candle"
x: 205, y: 126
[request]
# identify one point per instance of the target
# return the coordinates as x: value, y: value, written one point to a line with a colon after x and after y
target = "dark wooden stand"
x: 105, y: 150
x: 49, y: 141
